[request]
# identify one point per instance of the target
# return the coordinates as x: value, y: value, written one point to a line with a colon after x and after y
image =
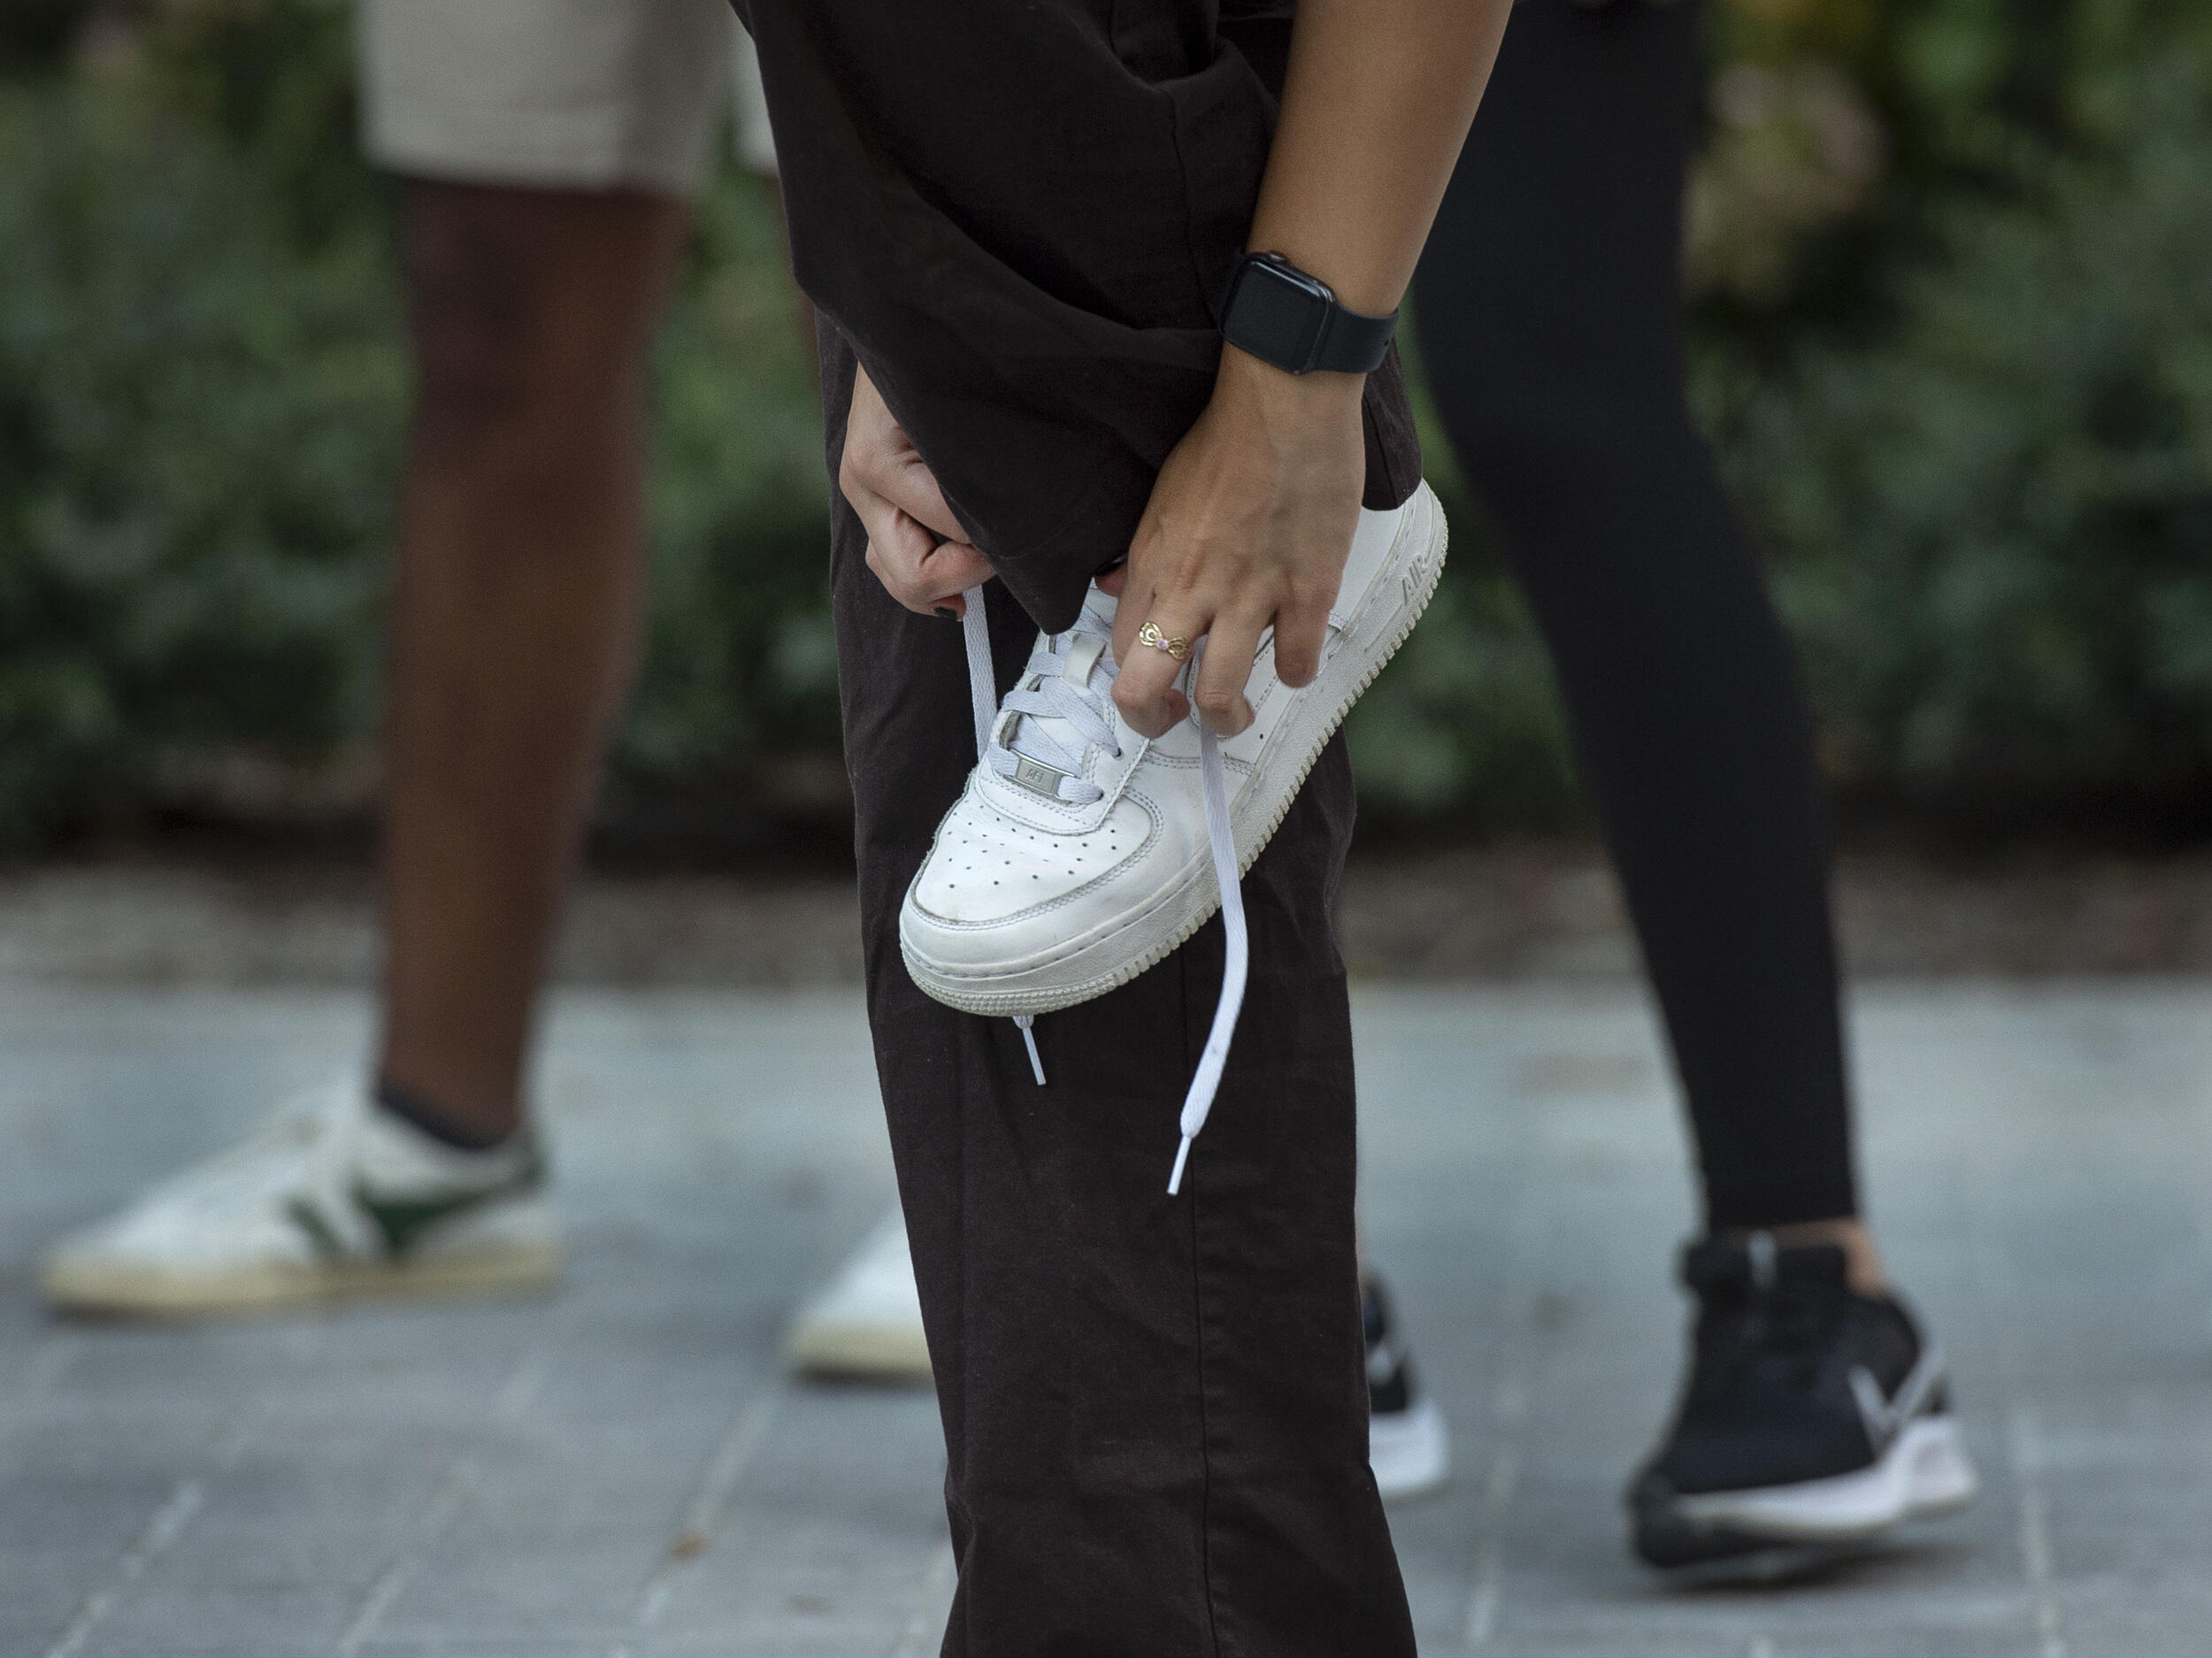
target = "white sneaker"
x: 1409, y: 1446
x: 1078, y: 855
x: 1411, y: 1450
x: 867, y: 1323
x: 333, y: 1199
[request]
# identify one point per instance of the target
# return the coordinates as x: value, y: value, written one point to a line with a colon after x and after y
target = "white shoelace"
x: 1083, y: 706
x: 1055, y: 696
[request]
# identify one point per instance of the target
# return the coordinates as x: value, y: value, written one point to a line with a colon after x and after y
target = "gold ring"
x: 1175, y: 645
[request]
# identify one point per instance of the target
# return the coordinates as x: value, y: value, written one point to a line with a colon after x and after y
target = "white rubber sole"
x: 1074, y: 970
x: 866, y: 1323
x: 1925, y: 1472
x: 1410, y: 1451
x: 850, y: 1350
x: 101, y: 1289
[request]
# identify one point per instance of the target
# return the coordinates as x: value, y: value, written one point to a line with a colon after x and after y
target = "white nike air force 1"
x: 1079, y: 854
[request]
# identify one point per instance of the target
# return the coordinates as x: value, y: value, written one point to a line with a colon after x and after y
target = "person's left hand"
x: 1250, y: 524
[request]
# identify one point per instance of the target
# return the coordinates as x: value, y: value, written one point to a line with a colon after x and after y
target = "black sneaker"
x: 1813, y: 1417
x: 1408, y: 1445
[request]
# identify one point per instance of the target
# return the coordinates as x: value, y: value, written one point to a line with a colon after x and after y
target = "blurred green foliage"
x: 1951, y: 262
x: 1971, y: 420
x: 1998, y: 514
x: 198, y: 415
x: 35, y: 35
x: 1952, y: 333
x: 202, y: 400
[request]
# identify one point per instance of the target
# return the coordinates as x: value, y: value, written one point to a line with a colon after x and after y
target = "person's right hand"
x: 916, y: 548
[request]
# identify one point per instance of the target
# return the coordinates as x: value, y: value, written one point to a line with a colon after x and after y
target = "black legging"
x: 1550, y: 309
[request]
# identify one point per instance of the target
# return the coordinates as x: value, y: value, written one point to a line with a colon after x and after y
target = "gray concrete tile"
x: 552, y: 1475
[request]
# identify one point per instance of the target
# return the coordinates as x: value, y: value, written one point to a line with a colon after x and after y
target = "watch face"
x: 1278, y: 314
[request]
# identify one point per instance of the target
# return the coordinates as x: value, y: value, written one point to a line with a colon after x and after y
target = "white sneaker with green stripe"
x: 333, y: 1199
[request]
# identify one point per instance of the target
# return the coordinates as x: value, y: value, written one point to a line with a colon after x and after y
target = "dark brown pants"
x: 1019, y: 212
x: 1155, y: 1408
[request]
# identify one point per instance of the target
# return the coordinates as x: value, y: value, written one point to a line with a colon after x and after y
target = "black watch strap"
x: 1280, y: 315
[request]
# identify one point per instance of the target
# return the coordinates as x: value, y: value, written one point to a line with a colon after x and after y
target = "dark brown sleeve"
x: 1019, y: 213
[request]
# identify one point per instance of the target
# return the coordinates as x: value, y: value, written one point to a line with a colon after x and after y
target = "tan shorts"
x: 555, y: 94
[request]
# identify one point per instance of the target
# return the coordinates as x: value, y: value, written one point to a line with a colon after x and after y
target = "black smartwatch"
x: 1280, y: 315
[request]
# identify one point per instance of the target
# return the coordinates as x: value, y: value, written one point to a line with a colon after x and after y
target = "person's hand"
x: 916, y: 547
x: 1250, y: 524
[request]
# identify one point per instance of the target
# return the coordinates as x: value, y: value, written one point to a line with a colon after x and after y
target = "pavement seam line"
x: 703, y: 1513
x: 2024, y: 1449
x: 515, y: 1396
x: 167, y: 1525
x: 2000, y: 1288
x: 1508, y: 1410
x: 168, y: 1522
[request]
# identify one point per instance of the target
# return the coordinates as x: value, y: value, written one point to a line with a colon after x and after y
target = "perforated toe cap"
x: 987, y: 869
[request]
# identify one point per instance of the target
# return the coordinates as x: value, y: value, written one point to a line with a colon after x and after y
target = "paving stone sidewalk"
x: 622, y: 1469
x: 1546, y: 910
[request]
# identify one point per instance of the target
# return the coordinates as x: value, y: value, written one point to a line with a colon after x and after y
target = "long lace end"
x: 1236, y: 954
x: 1182, y: 1157
x: 1025, y: 1022
x: 975, y: 629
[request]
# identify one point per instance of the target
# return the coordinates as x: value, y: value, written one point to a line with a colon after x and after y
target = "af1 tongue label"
x: 1038, y: 777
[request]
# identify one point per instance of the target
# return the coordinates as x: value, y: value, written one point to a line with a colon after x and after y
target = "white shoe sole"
x: 882, y: 1352
x: 1925, y: 1472
x: 866, y: 1323
x: 1073, y: 971
x: 107, y: 1289
x: 1410, y: 1451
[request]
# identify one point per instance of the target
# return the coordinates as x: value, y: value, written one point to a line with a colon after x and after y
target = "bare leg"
x: 1862, y: 1261
x: 515, y: 613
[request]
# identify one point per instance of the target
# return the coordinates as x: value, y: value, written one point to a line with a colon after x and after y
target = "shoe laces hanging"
x: 975, y: 630
x: 1047, y: 691
x: 1236, y: 961
x: 1063, y: 693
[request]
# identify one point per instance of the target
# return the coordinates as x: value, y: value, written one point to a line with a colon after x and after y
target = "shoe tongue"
x: 1087, y: 663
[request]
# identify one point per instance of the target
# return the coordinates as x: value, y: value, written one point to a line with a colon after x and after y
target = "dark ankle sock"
x: 420, y: 1111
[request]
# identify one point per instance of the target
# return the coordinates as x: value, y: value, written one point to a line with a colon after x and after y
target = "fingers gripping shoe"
x: 333, y: 1199
x: 1078, y: 855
